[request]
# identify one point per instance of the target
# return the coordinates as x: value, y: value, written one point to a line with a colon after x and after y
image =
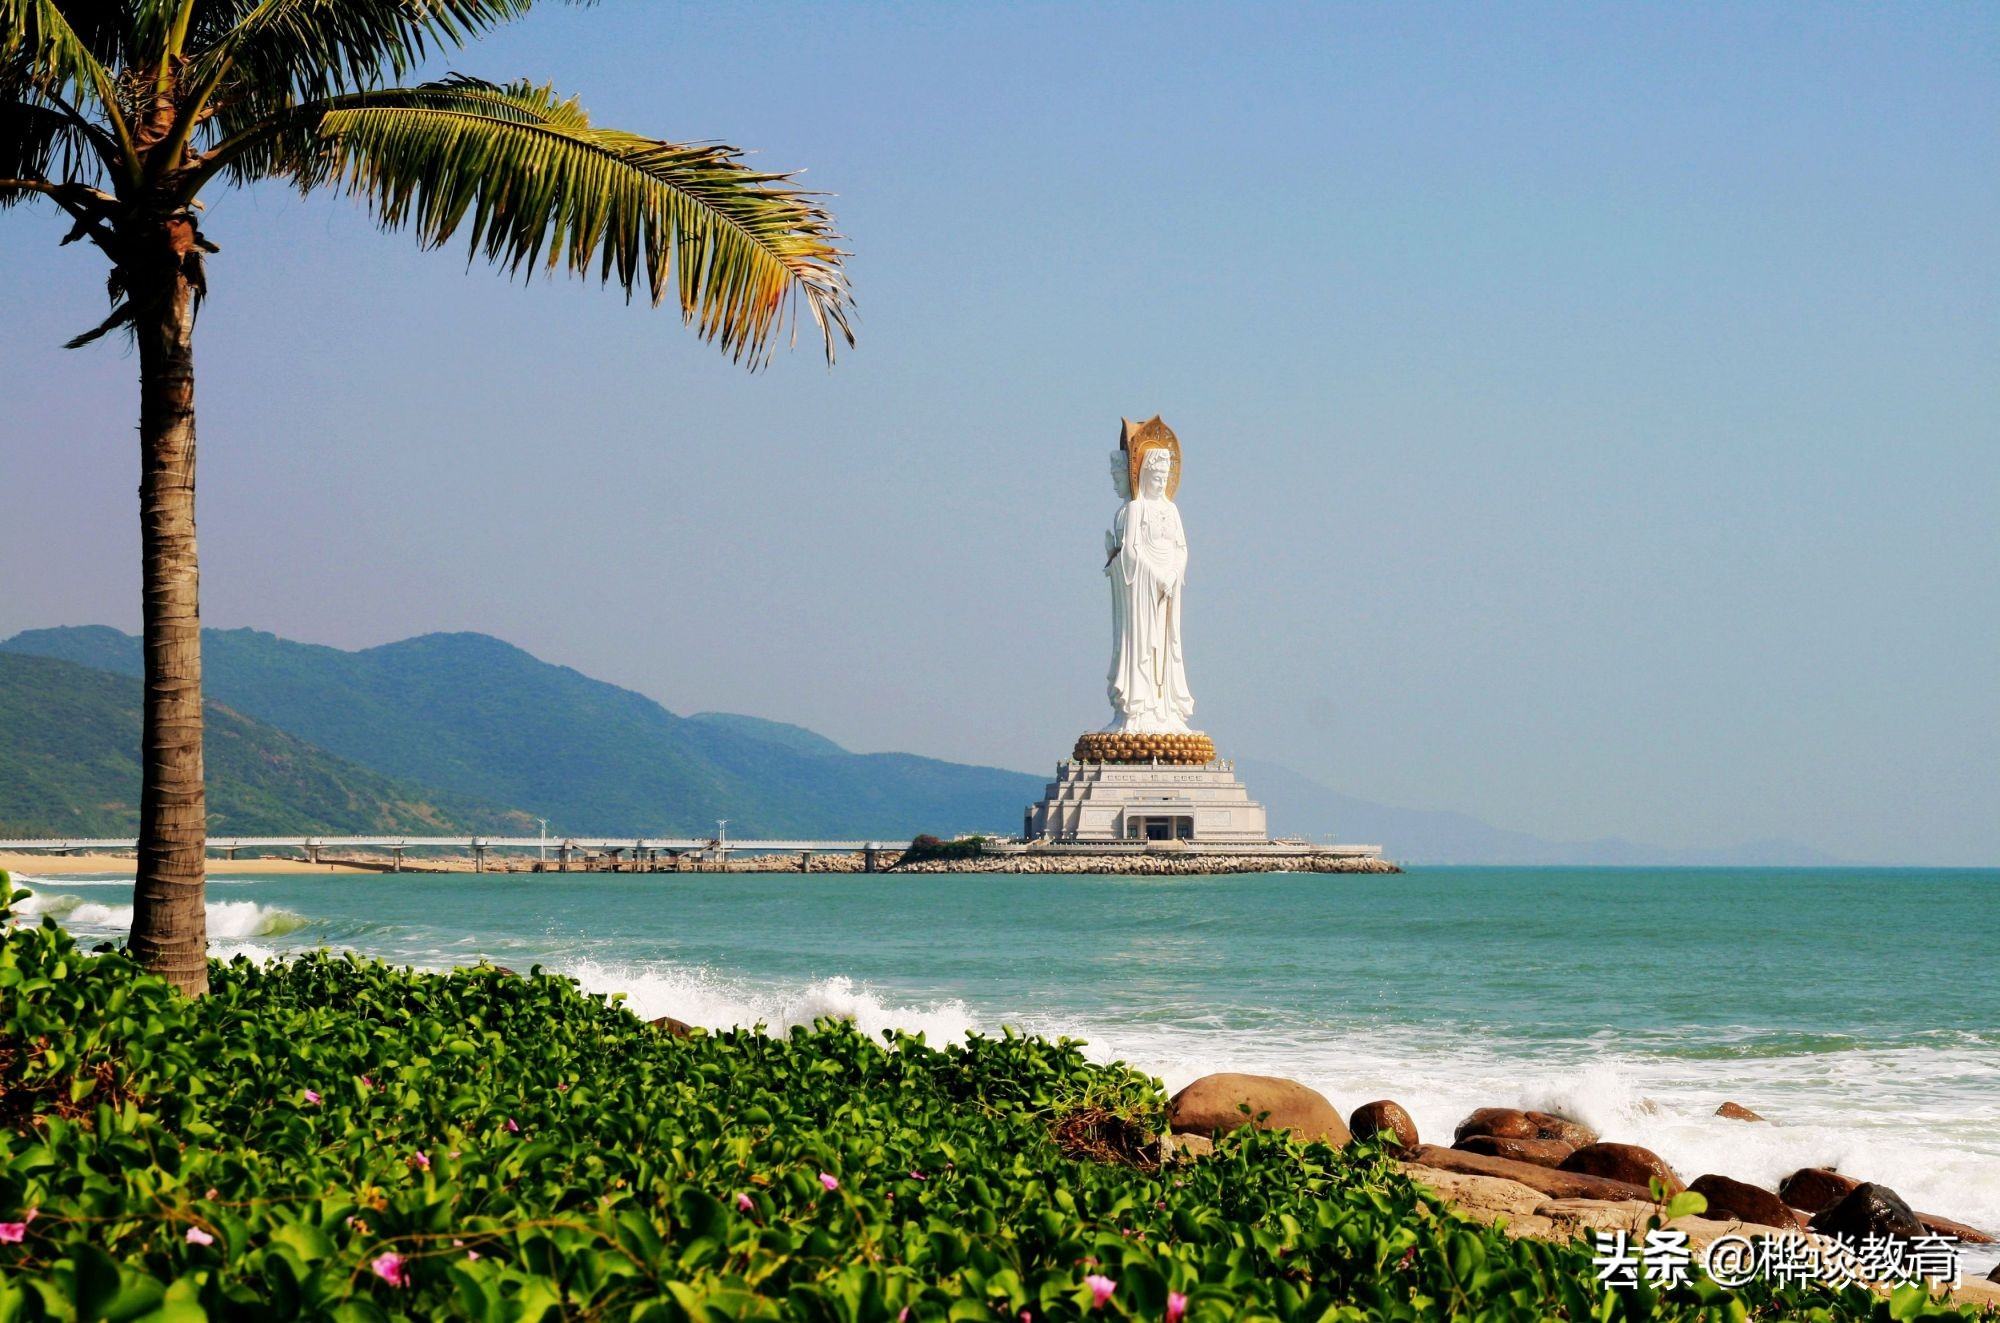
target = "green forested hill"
x: 485, y: 722
x: 69, y: 766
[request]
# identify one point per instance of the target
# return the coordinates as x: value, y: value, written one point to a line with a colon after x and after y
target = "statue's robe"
x: 1148, y: 684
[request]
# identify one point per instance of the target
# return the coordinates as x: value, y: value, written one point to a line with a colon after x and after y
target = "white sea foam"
x: 1930, y: 1137
x: 715, y: 1002
x: 227, y: 919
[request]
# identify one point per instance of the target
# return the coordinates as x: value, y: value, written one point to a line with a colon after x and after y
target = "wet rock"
x: 1624, y: 1162
x: 678, y: 1028
x: 1994, y: 1276
x: 1541, y: 1152
x: 1746, y: 1203
x: 1553, y: 1182
x: 1869, y: 1210
x: 1944, y: 1226
x: 1509, y: 1123
x: 1810, y: 1189
x: 1737, y: 1112
x: 1384, y: 1117
x: 1214, y: 1104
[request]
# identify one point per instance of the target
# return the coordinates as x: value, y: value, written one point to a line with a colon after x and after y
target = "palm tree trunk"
x: 169, y: 918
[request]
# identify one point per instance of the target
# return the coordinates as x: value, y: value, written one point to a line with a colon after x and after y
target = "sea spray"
x: 706, y: 998
x: 227, y: 919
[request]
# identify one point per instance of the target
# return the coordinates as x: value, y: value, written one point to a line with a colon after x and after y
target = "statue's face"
x: 1153, y: 474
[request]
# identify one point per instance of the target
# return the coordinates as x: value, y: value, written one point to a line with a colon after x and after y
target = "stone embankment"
x: 1552, y: 1178
x: 1151, y: 863
x: 1154, y: 864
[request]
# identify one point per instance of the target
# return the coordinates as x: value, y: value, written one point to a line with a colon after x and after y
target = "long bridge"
x: 715, y: 847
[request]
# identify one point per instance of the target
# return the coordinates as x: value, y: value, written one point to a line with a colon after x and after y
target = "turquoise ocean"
x: 1857, y: 1009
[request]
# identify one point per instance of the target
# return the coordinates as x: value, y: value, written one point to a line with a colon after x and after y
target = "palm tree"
x: 122, y: 112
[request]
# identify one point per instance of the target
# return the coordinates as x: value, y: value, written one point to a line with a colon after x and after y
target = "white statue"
x: 1147, y: 566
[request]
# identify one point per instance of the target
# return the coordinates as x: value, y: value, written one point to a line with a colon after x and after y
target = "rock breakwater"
x: 1161, y: 864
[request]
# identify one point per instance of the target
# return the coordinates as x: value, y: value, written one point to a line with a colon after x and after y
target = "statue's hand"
x: 1110, y: 542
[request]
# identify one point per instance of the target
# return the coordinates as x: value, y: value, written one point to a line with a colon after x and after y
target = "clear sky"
x: 1591, y: 413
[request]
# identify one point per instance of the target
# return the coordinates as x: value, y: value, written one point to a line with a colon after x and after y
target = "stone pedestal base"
x: 1147, y: 801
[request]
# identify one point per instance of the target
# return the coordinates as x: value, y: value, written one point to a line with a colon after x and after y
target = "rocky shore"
x: 1150, y: 863
x: 1552, y: 1178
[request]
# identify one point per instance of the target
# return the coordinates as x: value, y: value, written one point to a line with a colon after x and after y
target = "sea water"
x: 1858, y: 1010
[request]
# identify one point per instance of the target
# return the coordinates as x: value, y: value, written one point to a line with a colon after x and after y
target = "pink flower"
x: 12, y: 1233
x: 196, y: 1236
x: 918, y: 1176
x: 826, y: 1179
x: 389, y: 1267
x: 562, y: 1088
x: 367, y: 1083
x: 743, y: 1203
x: 1176, y: 1307
x: 454, y: 1153
x: 311, y: 1097
x: 512, y: 1128
x: 421, y: 1159
x: 1101, y: 1288
x: 213, y: 1193
x: 472, y: 1256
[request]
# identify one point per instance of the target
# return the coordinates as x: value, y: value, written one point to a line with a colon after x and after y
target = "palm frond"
x: 41, y: 49
x: 282, y: 52
x: 535, y: 183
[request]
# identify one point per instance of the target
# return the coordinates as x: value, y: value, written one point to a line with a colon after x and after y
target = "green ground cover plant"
x: 332, y: 1138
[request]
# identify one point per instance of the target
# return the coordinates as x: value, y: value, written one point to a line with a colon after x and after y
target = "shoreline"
x: 1161, y: 863
x: 23, y: 863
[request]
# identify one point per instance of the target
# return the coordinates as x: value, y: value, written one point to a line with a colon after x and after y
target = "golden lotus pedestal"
x: 1125, y: 746
x: 1132, y: 788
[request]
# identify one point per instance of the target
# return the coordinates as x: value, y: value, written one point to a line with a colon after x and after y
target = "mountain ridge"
x: 488, y: 721
x: 69, y: 766
x: 476, y: 721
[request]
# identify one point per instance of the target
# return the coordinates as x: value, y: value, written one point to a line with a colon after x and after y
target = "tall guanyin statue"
x: 1147, y: 778
x: 1146, y: 565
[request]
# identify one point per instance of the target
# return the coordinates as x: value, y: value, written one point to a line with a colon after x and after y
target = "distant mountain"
x: 796, y: 738
x: 1301, y: 806
x: 488, y: 723
x: 69, y: 766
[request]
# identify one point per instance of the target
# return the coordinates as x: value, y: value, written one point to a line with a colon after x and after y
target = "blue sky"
x: 1590, y: 411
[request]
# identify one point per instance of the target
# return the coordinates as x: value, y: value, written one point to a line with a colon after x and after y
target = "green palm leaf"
x: 535, y: 183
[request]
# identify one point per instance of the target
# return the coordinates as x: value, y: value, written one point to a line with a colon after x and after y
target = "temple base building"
x: 1096, y: 800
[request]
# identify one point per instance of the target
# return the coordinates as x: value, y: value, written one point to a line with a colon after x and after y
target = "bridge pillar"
x: 562, y: 857
x: 805, y: 861
x: 869, y: 863
x: 312, y: 851
x: 478, y: 857
x: 229, y: 853
x: 396, y: 851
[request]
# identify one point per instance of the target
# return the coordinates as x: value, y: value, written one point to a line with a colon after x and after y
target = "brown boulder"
x: 1746, y: 1203
x: 1944, y: 1226
x: 1214, y: 1105
x: 1508, y: 1123
x: 1387, y: 1118
x: 1555, y: 1183
x: 1810, y: 1189
x: 1624, y: 1162
x: 678, y: 1028
x: 1869, y: 1210
x: 1541, y: 1152
x: 1737, y: 1112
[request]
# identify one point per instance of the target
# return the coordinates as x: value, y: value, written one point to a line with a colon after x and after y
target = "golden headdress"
x: 1135, y: 439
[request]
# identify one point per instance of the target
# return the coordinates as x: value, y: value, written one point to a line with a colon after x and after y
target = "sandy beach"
x: 38, y: 864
